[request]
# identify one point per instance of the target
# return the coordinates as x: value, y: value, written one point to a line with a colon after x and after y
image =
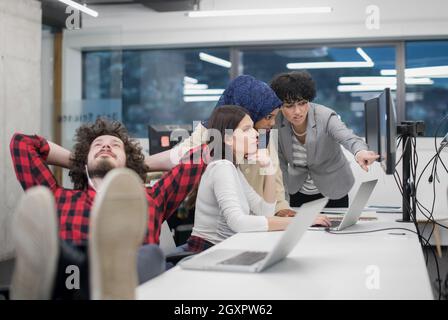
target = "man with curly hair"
x: 99, y: 148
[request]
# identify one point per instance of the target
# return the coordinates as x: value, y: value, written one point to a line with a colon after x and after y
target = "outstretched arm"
x: 160, y: 161
x: 167, y: 160
x: 174, y: 186
x: 351, y: 142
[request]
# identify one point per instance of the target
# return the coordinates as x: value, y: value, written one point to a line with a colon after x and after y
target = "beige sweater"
x: 252, y: 172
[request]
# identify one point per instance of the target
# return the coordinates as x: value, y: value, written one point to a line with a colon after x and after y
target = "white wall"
x: 47, y: 76
x: 20, y: 109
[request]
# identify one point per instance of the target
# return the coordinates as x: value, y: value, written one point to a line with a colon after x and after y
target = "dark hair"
x: 223, y: 117
x: 294, y: 86
x: 84, y: 137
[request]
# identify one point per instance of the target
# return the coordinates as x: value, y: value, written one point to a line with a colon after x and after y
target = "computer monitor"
x: 372, y: 119
x: 381, y: 129
x: 164, y: 137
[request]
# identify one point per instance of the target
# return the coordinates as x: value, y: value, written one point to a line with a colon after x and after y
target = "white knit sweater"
x: 227, y: 204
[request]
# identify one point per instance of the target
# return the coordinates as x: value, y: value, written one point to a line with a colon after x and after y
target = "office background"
x: 143, y: 67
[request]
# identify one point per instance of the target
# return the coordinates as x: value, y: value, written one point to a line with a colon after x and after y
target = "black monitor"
x: 381, y: 129
x: 372, y: 119
x: 164, y: 137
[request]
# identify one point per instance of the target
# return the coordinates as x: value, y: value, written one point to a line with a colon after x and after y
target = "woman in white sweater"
x: 225, y: 202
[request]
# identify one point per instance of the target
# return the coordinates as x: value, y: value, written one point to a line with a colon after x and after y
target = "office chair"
x: 173, y: 253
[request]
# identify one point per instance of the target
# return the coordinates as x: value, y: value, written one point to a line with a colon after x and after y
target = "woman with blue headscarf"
x: 262, y: 105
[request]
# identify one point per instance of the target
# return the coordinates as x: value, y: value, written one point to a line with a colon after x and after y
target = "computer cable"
x: 443, y: 143
x: 424, y: 242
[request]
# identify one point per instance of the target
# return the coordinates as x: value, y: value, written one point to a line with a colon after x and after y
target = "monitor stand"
x: 409, y: 130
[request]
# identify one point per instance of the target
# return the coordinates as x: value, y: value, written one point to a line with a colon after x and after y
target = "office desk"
x: 321, y: 266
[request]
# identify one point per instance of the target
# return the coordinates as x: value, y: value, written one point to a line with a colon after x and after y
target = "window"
x: 427, y: 62
x: 169, y: 86
x: 345, y: 76
x: 179, y: 86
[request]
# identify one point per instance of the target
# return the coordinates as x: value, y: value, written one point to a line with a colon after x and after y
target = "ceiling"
x: 53, y: 11
x: 156, y: 5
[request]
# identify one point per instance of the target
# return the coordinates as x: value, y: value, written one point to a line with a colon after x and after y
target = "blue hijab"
x: 253, y: 95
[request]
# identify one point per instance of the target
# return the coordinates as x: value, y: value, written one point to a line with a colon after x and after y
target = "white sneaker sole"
x: 35, y: 228
x: 117, y: 229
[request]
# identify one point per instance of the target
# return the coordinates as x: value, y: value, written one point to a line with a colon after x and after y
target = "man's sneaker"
x: 117, y: 229
x: 35, y: 228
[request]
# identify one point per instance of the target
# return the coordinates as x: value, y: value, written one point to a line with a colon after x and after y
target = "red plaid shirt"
x: 29, y: 154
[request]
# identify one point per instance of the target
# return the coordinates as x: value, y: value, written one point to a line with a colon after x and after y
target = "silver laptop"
x: 256, y: 261
x: 354, y: 211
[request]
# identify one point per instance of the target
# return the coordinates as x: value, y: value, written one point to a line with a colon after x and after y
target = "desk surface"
x: 321, y: 266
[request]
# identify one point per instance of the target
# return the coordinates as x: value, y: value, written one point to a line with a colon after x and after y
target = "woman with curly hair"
x: 310, y: 139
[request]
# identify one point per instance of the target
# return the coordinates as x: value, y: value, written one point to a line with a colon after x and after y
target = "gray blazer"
x: 327, y: 165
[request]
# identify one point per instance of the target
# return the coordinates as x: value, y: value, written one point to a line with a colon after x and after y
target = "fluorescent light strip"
x: 214, y: 60
x: 423, y: 81
x: 357, y: 88
x: 428, y: 72
x: 329, y: 65
x: 203, y: 92
x: 201, y: 98
x: 190, y: 80
x: 383, y: 80
x: 363, y: 54
x: 368, y: 63
x: 367, y: 80
x: 253, y: 12
x: 431, y: 72
x: 198, y: 86
x: 80, y: 7
x: 388, y: 72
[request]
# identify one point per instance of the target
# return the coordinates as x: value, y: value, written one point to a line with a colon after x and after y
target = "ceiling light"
x: 253, y: 12
x: 430, y: 72
x: 190, y: 80
x: 203, y: 92
x: 367, y: 63
x: 214, y: 60
x: 355, y: 88
x: 195, y: 86
x: 383, y: 80
x: 80, y: 7
x: 201, y: 98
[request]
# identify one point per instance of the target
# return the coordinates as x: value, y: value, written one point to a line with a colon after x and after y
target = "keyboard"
x: 335, y: 223
x: 246, y: 258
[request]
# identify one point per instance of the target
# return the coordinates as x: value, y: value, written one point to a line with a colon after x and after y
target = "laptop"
x: 256, y: 261
x: 354, y: 211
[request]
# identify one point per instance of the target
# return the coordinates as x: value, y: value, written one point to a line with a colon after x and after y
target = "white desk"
x: 321, y: 266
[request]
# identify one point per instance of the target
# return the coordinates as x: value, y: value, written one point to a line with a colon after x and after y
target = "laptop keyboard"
x: 246, y: 258
x: 335, y: 223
